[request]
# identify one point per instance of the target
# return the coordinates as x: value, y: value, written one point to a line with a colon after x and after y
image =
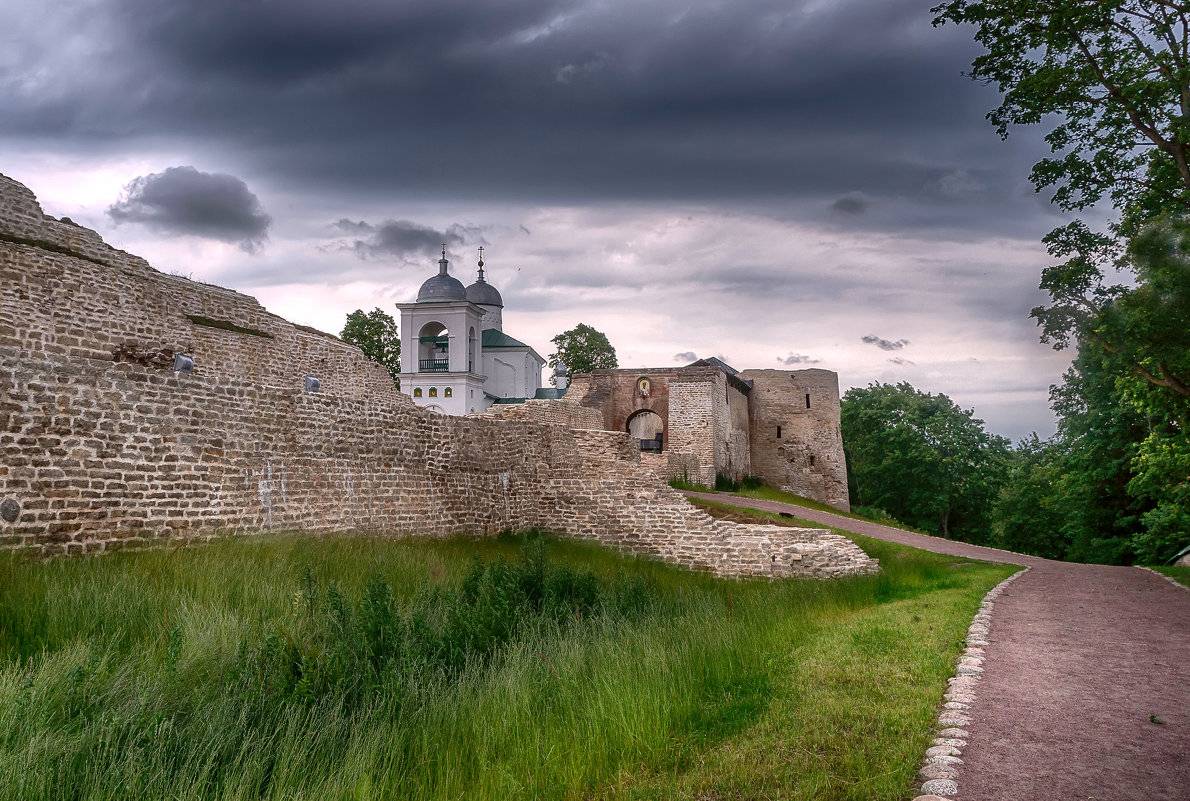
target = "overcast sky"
x: 776, y: 183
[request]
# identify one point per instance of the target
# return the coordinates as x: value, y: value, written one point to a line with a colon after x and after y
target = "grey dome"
x: 440, y: 288
x: 484, y: 294
x: 443, y: 287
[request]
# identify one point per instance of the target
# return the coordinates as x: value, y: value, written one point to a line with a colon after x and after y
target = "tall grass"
x: 363, y: 668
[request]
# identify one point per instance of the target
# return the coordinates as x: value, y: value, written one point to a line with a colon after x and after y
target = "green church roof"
x: 494, y: 338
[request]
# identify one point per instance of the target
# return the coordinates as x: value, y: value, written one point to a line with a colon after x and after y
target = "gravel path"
x: 1086, y: 685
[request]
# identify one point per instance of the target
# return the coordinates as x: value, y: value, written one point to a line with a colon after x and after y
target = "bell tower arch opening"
x: 433, y: 348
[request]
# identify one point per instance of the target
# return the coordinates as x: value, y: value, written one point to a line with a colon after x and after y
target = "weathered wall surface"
x: 807, y: 456
x: 615, y: 395
x: 103, y: 446
x: 693, y: 429
x: 733, y: 455
x: 547, y: 412
x: 705, y: 420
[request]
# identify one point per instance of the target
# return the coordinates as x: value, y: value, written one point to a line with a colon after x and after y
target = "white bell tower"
x: 441, y: 342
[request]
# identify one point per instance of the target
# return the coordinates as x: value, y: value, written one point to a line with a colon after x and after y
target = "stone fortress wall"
x: 805, y: 456
x: 704, y: 416
x: 104, y: 446
x: 784, y: 427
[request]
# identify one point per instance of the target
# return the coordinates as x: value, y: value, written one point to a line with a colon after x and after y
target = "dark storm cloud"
x: 686, y: 356
x: 884, y: 344
x: 850, y: 205
x: 797, y: 358
x: 183, y: 200
x: 400, y: 238
x: 847, y: 103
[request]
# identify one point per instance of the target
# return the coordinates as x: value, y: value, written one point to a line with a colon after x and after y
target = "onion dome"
x: 482, y: 292
x: 443, y: 287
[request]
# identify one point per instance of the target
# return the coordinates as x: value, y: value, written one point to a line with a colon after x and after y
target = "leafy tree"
x: 583, y: 349
x: 1114, y: 77
x: 922, y: 459
x: 377, y: 335
x: 1099, y: 433
x: 1161, y: 477
x: 1028, y: 515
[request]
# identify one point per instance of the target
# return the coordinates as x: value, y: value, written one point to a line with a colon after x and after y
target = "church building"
x: 701, y: 423
x: 455, y: 356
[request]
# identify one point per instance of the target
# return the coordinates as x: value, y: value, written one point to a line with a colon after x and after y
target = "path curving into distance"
x: 1080, y: 658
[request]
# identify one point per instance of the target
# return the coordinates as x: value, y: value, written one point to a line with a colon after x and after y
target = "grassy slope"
x: 1178, y: 574
x: 113, y: 682
x: 768, y: 493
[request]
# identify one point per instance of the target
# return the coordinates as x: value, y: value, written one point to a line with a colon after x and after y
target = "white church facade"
x: 455, y: 356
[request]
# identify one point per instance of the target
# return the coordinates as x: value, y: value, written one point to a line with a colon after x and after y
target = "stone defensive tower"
x: 708, y: 419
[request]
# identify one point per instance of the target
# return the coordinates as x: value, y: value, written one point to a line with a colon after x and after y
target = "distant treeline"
x: 1111, y: 486
x: 1110, y: 81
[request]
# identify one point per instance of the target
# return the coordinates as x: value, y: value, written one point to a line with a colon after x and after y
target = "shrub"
x: 876, y: 515
x: 357, y: 646
x: 683, y: 482
x: 725, y: 483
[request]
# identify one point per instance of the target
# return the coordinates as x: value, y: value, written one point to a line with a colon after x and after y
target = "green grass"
x: 1178, y: 574
x: 692, y: 486
x: 768, y: 493
x: 357, y: 668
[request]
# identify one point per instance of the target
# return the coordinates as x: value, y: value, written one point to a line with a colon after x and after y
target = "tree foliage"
x: 1112, y: 79
x: 922, y: 459
x: 583, y: 349
x: 1028, y: 516
x: 377, y: 335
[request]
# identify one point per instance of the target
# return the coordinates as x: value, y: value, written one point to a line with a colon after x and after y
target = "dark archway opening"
x: 648, y: 428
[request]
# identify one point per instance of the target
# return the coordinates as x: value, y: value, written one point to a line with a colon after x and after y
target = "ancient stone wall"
x: 657, y: 465
x: 797, y: 444
x: 548, y: 412
x: 733, y: 457
x: 103, y: 445
x: 705, y: 418
x: 693, y: 428
x: 615, y: 394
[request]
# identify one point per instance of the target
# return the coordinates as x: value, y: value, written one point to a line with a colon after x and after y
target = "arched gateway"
x: 648, y: 427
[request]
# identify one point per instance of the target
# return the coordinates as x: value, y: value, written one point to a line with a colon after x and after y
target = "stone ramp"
x: 1080, y: 658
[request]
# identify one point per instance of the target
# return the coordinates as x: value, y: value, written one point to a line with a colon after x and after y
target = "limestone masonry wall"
x: 705, y: 419
x: 104, y: 446
x: 548, y: 412
x: 692, y: 427
x: 806, y: 455
x: 782, y: 425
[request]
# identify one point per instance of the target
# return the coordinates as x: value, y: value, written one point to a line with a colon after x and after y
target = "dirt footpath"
x: 1086, y: 686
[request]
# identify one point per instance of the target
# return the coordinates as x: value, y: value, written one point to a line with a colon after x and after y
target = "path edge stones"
x: 1172, y: 581
x: 943, y: 761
